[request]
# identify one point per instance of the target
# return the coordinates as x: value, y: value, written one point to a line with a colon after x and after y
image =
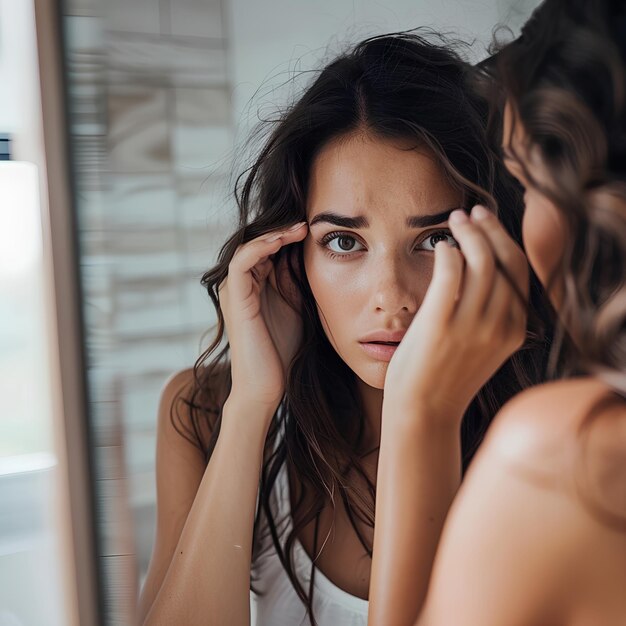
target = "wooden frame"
x: 83, y: 598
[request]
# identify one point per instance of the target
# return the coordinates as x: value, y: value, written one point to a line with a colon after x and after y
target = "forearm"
x: 419, y: 472
x: 208, y: 579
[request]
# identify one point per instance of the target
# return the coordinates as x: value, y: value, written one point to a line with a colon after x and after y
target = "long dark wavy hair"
x: 401, y: 86
x: 565, y: 81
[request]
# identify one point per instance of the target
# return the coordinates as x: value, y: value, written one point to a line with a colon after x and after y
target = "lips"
x: 383, y: 336
x: 381, y: 345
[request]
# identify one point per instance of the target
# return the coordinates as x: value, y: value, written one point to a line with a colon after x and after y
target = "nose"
x: 395, y: 288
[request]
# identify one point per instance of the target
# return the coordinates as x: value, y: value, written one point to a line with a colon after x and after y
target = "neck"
x: 372, y: 399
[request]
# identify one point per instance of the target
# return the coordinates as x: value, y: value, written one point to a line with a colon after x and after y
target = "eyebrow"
x: 415, y: 221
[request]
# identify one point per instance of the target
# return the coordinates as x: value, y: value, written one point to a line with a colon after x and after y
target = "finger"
x: 480, y: 266
x: 256, y: 254
x: 441, y: 295
x: 251, y: 253
x: 247, y: 267
x: 510, y: 255
x: 295, y: 232
x: 505, y: 314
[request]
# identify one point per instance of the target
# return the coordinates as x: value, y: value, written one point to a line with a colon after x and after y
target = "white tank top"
x: 280, y: 605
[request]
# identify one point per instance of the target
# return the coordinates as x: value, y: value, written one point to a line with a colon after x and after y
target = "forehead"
x: 364, y: 174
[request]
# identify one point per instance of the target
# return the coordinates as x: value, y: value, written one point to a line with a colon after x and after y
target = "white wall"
x: 19, y: 80
x: 270, y: 40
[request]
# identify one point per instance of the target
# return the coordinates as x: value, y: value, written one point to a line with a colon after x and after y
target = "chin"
x: 373, y: 375
x: 370, y: 372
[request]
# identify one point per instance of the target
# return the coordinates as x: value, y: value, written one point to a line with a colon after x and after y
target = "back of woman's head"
x: 564, y: 81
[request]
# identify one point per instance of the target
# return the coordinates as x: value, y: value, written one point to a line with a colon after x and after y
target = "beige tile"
x: 202, y: 136
x: 138, y: 139
x: 218, y: 185
x: 199, y: 18
x: 202, y: 245
x: 142, y: 488
x: 198, y: 310
x: 117, y: 248
x: 203, y: 107
x: 137, y: 355
x: 138, y: 201
x: 140, y: 399
x: 201, y: 150
x: 211, y: 204
x: 138, y: 16
x: 141, y: 448
x: 146, y: 306
x: 165, y: 61
x: 84, y: 35
x: 82, y: 7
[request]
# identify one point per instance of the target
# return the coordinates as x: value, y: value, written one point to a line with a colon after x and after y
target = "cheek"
x: 543, y: 231
x: 333, y: 291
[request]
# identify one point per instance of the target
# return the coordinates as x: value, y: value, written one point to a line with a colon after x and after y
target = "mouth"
x: 380, y: 350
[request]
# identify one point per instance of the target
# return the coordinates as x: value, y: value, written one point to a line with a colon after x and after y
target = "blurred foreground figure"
x: 537, y: 533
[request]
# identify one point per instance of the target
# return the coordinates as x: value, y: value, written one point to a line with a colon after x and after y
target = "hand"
x: 263, y: 326
x: 472, y: 318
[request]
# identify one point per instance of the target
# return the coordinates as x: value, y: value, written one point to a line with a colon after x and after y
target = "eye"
x: 341, y: 243
x: 429, y: 242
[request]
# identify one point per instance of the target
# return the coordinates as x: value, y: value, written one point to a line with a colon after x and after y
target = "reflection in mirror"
x: 162, y: 96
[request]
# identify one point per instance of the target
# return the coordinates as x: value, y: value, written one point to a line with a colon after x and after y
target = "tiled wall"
x: 152, y: 138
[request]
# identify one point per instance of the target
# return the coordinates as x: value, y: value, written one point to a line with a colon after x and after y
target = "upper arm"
x: 180, y: 467
x: 511, y: 547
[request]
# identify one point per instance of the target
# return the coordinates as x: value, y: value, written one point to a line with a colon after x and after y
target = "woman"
x: 537, y: 534
x: 339, y: 218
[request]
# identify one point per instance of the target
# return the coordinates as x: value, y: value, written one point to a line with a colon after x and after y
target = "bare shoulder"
x: 182, y: 435
x: 545, y: 493
x: 189, y: 404
x: 175, y: 416
x: 570, y: 433
x: 177, y: 388
x: 552, y: 414
x: 177, y: 382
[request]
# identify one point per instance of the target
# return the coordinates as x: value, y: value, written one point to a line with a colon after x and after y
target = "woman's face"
x: 375, y: 209
x: 543, y: 227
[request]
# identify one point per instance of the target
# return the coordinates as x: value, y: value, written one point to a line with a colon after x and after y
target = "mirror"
x: 162, y: 95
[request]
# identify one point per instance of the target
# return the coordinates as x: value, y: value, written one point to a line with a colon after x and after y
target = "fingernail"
x: 458, y: 217
x: 479, y: 212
